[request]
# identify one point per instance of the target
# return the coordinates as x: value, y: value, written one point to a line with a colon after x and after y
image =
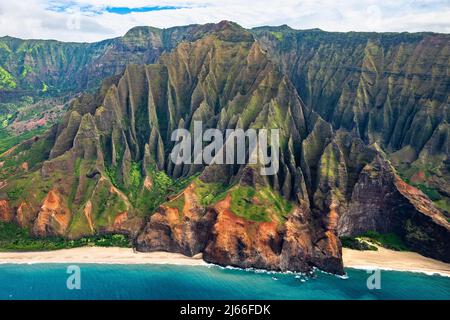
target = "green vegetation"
x: 9, y: 140
x: 243, y: 204
x: 329, y: 166
x: 371, y: 239
x: 5, y: 119
x: 428, y: 171
x: 19, y: 111
x: 278, y: 35
x: 16, y: 193
x: 209, y: 193
x: 73, y: 190
x: 162, y: 188
x: 4, y: 47
x: 415, y: 233
x: 432, y: 193
x: 113, y: 173
x: 444, y: 205
x: 357, y: 244
x: 177, y: 203
x: 30, y: 186
x: 6, y: 80
x: 26, y: 70
x: 32, y: 155
x: 439, y: 201
x: 253, y: 204
x: 13, y: 238
x: 388, y: 240
x: 106, y: 205
x: 260, y: 205
x: 135, y: 176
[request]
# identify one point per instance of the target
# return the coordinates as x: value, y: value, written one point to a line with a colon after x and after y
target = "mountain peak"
x: 224, y: 24
x: 229, y: 31
x: 141, y: 31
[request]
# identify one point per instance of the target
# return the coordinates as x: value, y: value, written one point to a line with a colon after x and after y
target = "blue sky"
x: 93, y: 20
x: 128, y: 10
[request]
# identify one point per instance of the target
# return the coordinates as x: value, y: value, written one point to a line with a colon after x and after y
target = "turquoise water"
x: 48, y: 281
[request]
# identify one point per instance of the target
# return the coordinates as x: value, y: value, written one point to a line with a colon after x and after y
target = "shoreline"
x: 99, y: 255
x: 382, y: 259
x: 390, y: 260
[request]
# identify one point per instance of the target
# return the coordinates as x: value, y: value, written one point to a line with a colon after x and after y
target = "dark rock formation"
x: 382, y: 202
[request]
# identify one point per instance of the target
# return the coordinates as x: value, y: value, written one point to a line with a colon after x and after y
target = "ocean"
x: 137, y: 282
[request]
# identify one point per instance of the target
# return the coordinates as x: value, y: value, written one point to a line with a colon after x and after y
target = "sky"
x: 94, y: 20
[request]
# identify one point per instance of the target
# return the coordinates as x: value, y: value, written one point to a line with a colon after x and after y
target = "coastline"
x: 100, y: 255
x: 383, y: 259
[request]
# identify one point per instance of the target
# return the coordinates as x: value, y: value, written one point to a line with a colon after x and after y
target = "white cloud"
x: 40, y: 19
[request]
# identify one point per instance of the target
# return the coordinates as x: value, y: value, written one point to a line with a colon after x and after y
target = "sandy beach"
x: 100, y: 255
x: 394, y: 260
x: 382, y: 259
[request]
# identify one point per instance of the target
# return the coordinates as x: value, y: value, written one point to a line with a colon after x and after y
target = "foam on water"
x: 48, y: 281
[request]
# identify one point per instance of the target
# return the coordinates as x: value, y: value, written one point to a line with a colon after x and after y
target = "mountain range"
x: 364, y: 138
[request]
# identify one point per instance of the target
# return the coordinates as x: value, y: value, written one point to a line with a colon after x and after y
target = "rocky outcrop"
x: 53, y: 218
x: 227, y: 239
x: 25, y: 215
x: 87, y: 211
x: 424, y: 228
x: 6, y: 213
x: 382, y: 202
x: 242, y: 243
x: 185, y: 229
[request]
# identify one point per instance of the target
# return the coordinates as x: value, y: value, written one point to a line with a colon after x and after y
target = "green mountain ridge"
x: 347, y: 138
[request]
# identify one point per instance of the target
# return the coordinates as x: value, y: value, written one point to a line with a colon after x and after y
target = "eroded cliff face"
x: 382, y: 202
x: 25, y: 215
x: 6, y: 213
x: 53, y: 217
x: 239, y: 242
x: 389, y: 89
x: 185, y: 229
x: 106, y: 166
x: 216, y: 230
